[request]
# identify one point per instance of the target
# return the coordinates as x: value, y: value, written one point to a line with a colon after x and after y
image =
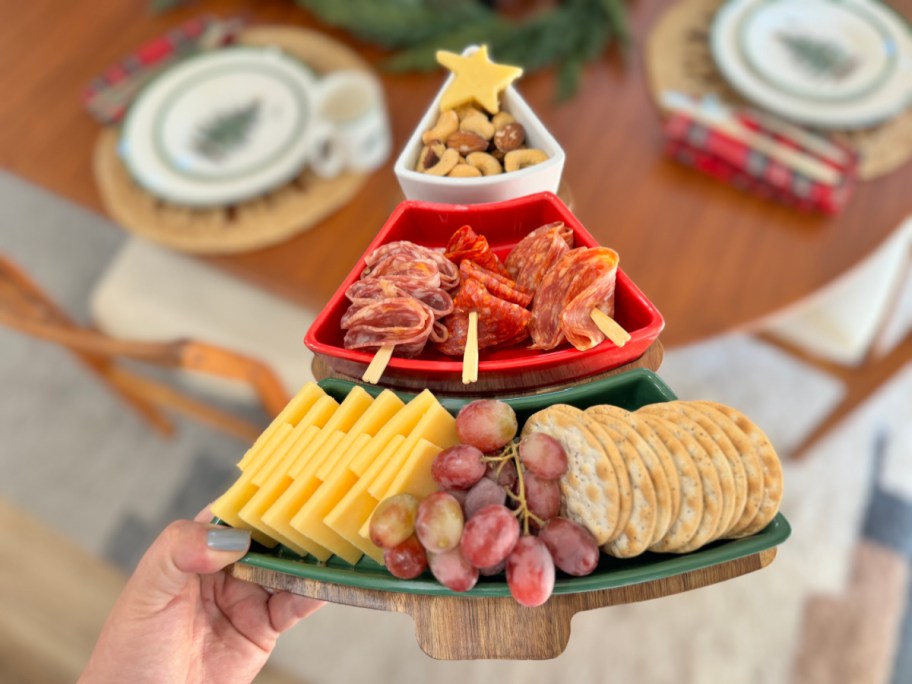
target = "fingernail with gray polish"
x: 228, y: 539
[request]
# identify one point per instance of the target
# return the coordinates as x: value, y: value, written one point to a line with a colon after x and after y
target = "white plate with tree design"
x: 825, y: 63
x: 222, y: 127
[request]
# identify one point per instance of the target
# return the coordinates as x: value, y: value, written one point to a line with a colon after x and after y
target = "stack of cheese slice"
x: 313, y: 478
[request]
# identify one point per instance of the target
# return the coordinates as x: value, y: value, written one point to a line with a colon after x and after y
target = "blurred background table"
x: 713, y: 259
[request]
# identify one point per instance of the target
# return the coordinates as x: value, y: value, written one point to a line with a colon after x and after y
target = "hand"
x: 181, y: 618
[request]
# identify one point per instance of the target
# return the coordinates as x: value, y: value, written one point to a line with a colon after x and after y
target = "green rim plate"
x: 629, y: 390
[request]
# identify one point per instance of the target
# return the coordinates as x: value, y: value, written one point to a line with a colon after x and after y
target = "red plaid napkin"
x: 108, y: 95
x: 713, y: 151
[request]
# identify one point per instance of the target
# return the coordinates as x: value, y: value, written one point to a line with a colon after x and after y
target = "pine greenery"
x: 566, y: 36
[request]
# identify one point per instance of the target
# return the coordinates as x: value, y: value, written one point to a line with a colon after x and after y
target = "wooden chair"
x: 26, y: 308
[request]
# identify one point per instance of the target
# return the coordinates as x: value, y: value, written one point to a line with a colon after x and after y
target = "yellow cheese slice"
x: 298, y: 440
x: 381, y: 412
x: 437, y: 426
x: 322, y: 411
x: 401, y: 424
x: 278, y: 516
x: 350, y: 410
x: 356, y: 505
x: 414, y: 478
x: 290, y: 415
x: 284, y: 493
x: 228, y: 505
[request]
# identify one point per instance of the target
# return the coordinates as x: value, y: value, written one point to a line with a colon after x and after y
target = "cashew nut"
x: 520, y: 159
x: 447, y: 161
x: 467, y: 110
x: 479, y: 125
x: 430, y: 155
x: 485, y: 163
x: 464, y: 171
x: 501, y: 119
x: 447, y: 123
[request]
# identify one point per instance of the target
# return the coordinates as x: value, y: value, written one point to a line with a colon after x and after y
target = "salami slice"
x: 496, y: 284
x: 401, y: 321
x: 499, y: 321
x: 449, y: 272
x: 465, y: 243
x: 581, y: 280
x: 536, y: 253
x: 436, y: 298
x: 419, y: 269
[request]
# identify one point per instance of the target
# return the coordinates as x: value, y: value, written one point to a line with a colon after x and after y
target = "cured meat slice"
x: 499, y: 321
x: 449, y: 273
x: 420, y: 269
x: 437, y: 299
x: 496, y: 284
x: 401, y: 321
x: 582, y: 279
x: 465, y: 243
x: 536, y: 253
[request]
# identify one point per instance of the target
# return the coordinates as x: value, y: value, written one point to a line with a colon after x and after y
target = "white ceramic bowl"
x: 538, y: 178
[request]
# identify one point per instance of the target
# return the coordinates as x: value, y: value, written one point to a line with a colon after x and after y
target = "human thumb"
x: 182, y: 551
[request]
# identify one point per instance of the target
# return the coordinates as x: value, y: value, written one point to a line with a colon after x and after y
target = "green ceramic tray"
x: 629, y: 390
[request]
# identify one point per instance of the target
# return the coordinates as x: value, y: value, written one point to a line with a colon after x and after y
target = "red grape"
x: 393, y: 520
x: 488, y: 424
x: 452, y: 570
x: 484, y: 493
x: 493, y: 570
x: 530, y: 572
x: 406, y: 560
x: 460, y: 496
x: 503, y: 473
x: 458, y: 467
x: 439, y: 522
x: 573, y: 548
x: 489, y: 536
x: 543, y: 497
x: 543, y: 456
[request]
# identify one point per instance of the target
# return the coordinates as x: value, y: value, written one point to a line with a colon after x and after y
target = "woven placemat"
x: 678, y: 57
x: 260, y: 222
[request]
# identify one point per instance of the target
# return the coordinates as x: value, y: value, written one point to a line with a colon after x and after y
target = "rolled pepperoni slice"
x: 496, y: 284
x: 401, y: 321
x: 436, y: 298
x: 449, y: 272
x: 582, y: 279
x: 465, y: 243
x: 536, y: 253
x: 499, y: 321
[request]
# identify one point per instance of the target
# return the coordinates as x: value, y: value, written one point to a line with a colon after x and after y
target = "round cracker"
x: 677, y: 438
x: 616, y: 418
x: 625, y: 488
x: 671, y: 411
x: 636, y: 536
x: 772, y: 469
x: 589, y: 489
x: 720, y: 438
x: 753, y: 468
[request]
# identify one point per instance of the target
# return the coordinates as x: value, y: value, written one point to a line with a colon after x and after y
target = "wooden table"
x: 710, y: 257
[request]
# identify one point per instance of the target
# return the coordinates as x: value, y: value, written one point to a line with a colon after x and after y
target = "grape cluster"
x: 498, y: 511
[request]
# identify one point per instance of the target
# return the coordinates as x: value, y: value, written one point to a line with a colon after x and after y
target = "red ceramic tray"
x: 504, y: 224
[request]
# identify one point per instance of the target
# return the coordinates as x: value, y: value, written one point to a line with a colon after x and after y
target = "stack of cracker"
x: 668, y: 478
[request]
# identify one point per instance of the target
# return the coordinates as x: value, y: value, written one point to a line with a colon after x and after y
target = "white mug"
x: 351, y: 127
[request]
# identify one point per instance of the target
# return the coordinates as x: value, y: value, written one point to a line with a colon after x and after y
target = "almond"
x: 510, y: 137
x: 465, y: 142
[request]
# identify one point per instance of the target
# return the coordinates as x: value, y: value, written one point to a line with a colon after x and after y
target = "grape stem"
x: 511, y: 453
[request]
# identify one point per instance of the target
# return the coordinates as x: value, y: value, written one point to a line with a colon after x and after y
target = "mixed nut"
x: 466, y: 143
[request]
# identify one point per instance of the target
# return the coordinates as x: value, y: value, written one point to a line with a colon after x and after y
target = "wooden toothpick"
x: 610, y: 327
x: 378, y: 364
x: 470, y: 357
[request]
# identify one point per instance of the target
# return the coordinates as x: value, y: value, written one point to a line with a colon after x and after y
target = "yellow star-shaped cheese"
x: 476, y: 79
